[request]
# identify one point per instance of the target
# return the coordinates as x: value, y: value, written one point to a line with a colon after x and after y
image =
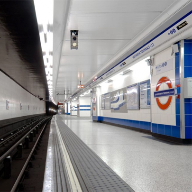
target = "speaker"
x: 175, y: 48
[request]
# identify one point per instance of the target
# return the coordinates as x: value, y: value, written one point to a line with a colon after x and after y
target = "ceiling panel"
x: 105, y: 28
x: 93, y: 46
x: 93, y: 6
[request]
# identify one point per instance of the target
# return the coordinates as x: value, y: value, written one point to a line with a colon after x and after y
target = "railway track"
x: 17, y: 150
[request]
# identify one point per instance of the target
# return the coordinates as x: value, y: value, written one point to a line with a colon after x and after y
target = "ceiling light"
x: 74, y: 44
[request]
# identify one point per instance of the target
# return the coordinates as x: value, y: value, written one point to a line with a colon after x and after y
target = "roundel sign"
x: 168, y: 93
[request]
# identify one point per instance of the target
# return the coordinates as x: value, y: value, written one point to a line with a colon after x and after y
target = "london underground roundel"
x: 168, y: 82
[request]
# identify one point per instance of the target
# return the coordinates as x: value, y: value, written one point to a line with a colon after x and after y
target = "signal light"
x: 74, y: 39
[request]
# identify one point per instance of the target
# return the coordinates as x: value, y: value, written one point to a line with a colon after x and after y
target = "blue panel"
x: 177, y: 120
x: 145, y: 125
x: 177, y: 74
x: 189, y: 100
x: 126, y: 122
x: 188, y: 120
x: 188, y: 60
x: 177, y: 61
x: 161, y: 129
x: 177, y: 101
x: 177, y: 107
x: 137, y: 124
x: 187, y: 72
x: 176, y: 131
x: 85, y: 106
x: 188, y: 108
x: 187, y: 41
x: 188, y: 48
x: 85, y: 109
x: 168, y: 130
x: 188, y: 132
x: 154, y: 128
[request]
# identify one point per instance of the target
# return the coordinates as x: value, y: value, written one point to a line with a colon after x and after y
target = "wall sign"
x: 145, y: 96
x: 133, y: 96
x: 165, y: 66
x: 167, y: 93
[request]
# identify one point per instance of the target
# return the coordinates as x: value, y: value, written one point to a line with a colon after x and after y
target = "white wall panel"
x: 160, y: 116
x: 84, y: 101
x: 11, y: 91
x: 74, y: 107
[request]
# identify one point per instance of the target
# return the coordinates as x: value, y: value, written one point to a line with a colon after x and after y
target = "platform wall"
x: 84, y: 106
x: 134, y: 118
x: 16, y: 101
x: 73, y: 110
x: 164, y: 120
x: 188, y: 101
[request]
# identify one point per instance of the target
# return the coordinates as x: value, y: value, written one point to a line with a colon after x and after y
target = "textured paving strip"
x: 93, y: 173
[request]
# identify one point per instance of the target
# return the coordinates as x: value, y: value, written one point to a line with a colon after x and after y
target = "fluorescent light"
x: 44, y: 14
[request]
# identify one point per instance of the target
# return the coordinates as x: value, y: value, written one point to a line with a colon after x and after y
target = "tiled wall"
x: 133, y: 118
x: 16, y: 96
x: 166, y: 122
x: 188, y: 73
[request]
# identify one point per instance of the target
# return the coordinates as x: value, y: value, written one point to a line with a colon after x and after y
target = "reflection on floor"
x: 146, y: 164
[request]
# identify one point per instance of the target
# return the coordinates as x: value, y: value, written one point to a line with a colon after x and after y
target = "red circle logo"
x: 168, y: 82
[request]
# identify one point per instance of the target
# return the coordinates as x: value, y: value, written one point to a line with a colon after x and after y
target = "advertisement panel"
x: 118, y: 101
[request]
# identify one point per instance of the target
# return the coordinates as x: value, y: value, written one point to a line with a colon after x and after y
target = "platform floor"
x: 143, y: 162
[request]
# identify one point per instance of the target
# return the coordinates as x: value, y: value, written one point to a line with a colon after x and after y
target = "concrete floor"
x: 145, y: 163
